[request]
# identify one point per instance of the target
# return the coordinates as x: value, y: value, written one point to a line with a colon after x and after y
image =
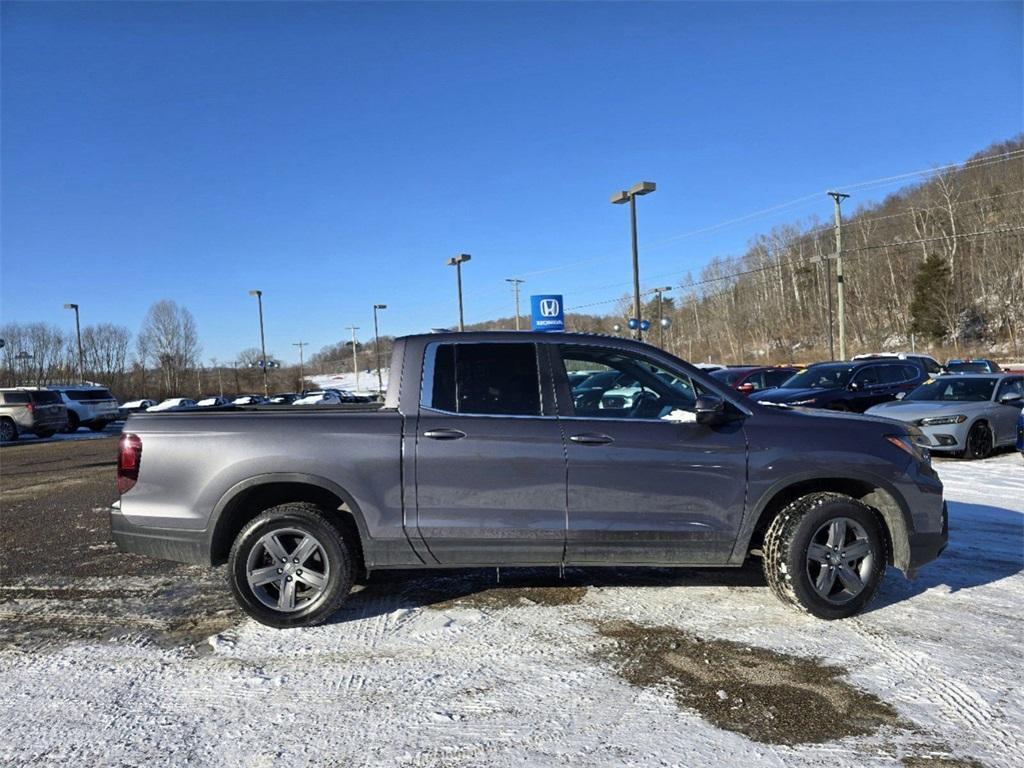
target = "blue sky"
x: 335, y: 155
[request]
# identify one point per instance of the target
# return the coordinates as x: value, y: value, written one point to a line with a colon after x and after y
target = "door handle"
x: 592, y: 438
x: 444, y: 434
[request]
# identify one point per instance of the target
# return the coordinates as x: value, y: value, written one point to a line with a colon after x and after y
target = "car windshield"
x: 730, y: 375
x: 954, y: 390
x: 828, y: 376
x: 968, y: 367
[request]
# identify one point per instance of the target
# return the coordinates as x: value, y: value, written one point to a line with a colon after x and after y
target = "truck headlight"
x: 934, y: 421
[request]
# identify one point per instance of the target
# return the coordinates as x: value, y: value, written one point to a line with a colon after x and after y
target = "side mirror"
x: 746, y: 389
x: 900, y: 395
x: 854, y: 386
x: 1009, y: 397
x: 709, y: 409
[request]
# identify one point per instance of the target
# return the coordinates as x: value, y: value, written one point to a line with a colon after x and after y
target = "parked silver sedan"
x: 966, y: 415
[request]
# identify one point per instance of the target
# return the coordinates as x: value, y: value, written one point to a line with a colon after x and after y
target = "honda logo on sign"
x: 547, y: 313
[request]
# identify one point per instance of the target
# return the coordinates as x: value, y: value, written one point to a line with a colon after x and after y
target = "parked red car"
x: 750, y: 378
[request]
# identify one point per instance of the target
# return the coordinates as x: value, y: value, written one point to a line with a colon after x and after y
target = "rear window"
x: 486, y: 379
x: 89, y: 394
x: 44, y: 397
x: 15, y: 398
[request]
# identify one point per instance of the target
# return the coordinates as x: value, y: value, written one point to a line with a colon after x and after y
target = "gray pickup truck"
x: 484, y: 455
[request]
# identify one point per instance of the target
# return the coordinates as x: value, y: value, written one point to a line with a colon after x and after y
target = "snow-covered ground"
x: 638, y: 668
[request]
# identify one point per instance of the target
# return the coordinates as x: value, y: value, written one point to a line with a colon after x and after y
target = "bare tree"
x: 169, y: 335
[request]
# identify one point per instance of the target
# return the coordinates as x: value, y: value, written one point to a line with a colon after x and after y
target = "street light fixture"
x: 376, y: 346
x: 78, y: 330
x: 457, y: 261
x: 663, y: 322
x: 629, y: 196
x: 263, y: 343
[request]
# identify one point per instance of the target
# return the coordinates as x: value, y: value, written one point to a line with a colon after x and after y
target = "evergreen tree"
x: 931, y: 296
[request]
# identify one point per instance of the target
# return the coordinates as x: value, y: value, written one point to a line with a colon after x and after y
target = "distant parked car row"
x: 43, y: 411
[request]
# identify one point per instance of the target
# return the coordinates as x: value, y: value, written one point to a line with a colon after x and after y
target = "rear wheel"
x: 291, y: 566
x: 44, y: 433
x: 73, y: 422
x: 8, y: 431
x: 825, y: 554
x: 98, y: 426
x: 979, y: 441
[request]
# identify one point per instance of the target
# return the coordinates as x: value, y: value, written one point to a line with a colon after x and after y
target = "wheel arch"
x: 247, y: 499
x: 887, y: 504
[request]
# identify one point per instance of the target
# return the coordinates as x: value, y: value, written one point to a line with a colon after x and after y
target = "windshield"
x: 955, y: 390
x: 828, y: 376
x: 975, y: 367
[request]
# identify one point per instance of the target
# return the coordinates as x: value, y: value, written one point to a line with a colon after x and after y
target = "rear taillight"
x: 31, y: 407
x: 129, y: 456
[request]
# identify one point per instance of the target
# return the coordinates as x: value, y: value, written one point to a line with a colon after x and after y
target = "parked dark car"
x: 753, y: 378
x: 847, y: 386
x: 284, y: 398
x: 929, y: 363
x: 480, y: 457
x: 973, y: 366
x: 135, y: 406
x: 1020, y: 433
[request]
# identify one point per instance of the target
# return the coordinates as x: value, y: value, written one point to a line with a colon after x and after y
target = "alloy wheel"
x: 288, y: 570
x: 840, y: 560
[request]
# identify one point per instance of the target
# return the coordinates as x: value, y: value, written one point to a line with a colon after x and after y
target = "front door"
x: 646, y: 483
x: 490, y: 466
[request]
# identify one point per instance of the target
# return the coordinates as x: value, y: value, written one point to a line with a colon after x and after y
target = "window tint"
x: 867, y: 377
x: 486, y: 379
x: 14, y: 398
x: 891, y: 374
x: 44, y: 397
x: 632, y: 388
x: 775, y: 378
x: 1012, y: 386
x: 930, y: 365
x: 756, y: 380
x: 89, y: 394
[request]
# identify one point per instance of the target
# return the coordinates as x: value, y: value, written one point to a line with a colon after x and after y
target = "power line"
x: 804, y: 262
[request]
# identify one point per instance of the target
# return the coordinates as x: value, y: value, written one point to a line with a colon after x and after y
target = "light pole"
x: 355, y: 358
x: 624, y: 196
x: 516, y: 282
x: 661, y: 314
x: 457, y: 261
x: 376, y: 345
x: 78, y: 330
x: 302, y: 362
x: 838, y: 197
x: 263, y: 342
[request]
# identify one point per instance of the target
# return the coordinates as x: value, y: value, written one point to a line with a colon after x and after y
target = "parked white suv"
x: 88, y: 406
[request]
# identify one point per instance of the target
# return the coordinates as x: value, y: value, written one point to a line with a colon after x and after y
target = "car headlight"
x: 934, y: 421
x: 808, y: 401
x: 914, y: 444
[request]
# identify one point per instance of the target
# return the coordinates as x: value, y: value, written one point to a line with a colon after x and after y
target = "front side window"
x: 625, y: 386
x: 823, y: 376
x: 486, y: 379
x: 867, y: 377
x: 1011, y: 387
x: 955, y: 389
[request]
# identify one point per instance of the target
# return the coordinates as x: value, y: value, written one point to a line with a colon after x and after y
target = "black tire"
x: 98, y: 426
x: 336, y: 559
x: 791, y: 571
x: 979, y: 442
x: 73, y: 422
x: 45, y: 433
x: 8, y: 431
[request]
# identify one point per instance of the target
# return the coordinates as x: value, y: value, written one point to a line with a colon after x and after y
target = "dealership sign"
x: 548, y: 314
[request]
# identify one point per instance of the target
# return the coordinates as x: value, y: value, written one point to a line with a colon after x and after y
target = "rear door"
x: 490, y: 465
x: 646, y: 483
x: 1008, y: 413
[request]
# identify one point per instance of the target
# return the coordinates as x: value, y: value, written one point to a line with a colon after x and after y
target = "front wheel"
x: 291, y: 566
x: 825, y: 554
x: 979, y: 442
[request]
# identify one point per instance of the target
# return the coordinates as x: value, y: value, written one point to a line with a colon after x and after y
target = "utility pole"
x: 78, y: 330
x: 263, y: 343
x: 302, y: 362
x: 661, y: 314
x: 642, y: 188
x: 355, y: 358
x: 515, y: 287
x: 376, y: 346
x: 838, y: 197
x: 457, y: 262
x: 199, y: 380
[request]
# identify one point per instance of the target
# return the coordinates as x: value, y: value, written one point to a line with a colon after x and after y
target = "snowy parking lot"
x: 601, y: 668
